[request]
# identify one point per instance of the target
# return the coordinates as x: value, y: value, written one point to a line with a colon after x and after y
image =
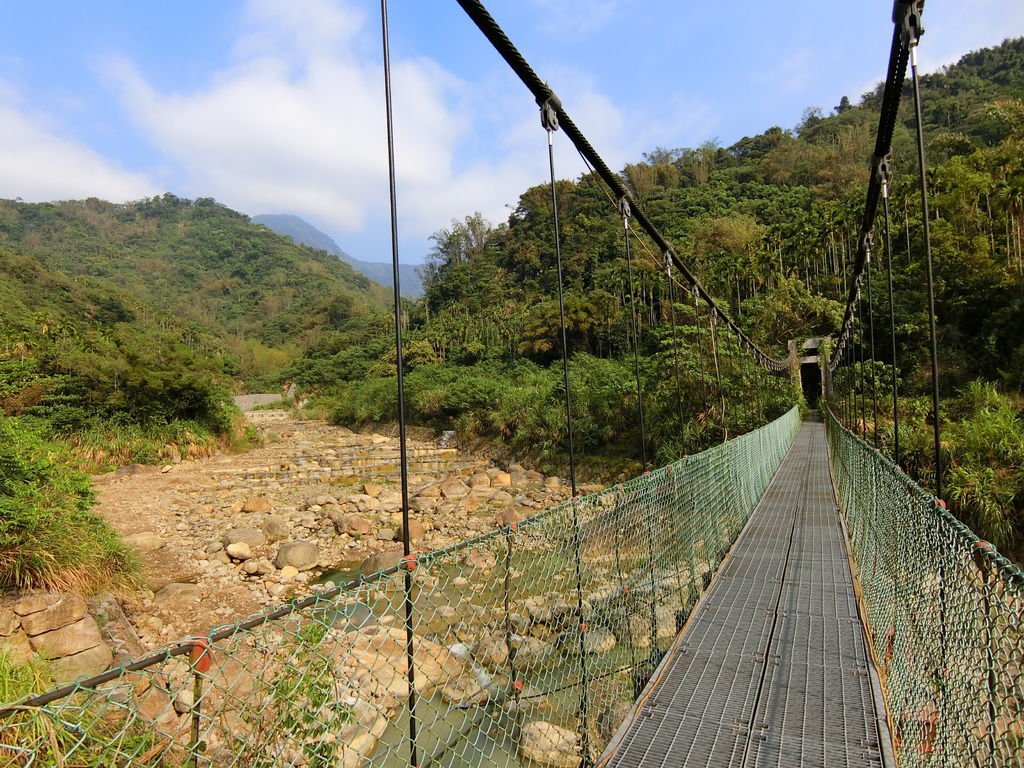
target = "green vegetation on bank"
x: 769, y: 224
x: 126, y: 328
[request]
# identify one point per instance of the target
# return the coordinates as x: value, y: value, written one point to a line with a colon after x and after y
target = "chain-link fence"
x: 945, y: 613
x: 527, y: 643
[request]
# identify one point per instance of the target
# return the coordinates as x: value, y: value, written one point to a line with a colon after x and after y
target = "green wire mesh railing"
x: 530, y: 643
x: 946, y: 616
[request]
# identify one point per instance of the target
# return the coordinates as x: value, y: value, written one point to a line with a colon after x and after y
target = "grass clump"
x: 49, y: 537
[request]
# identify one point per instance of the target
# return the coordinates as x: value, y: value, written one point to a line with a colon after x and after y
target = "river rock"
x: 598, y: 640
x: 353, y: 525
x: 67, y: 640
x: 184, y: 700
x: 9, y: 622
x: 479, y: 559
x: 501, y: 479
x: 372, y: 489
x: 34, y: 603
x: 257, y: 504
x: 416, y: 531
x: 16, y: 646
x: 381, y: 561
x: 300, y: 554
x: 390, y: 501
x: 275, y: 528
x: 422, y: 503
x: 548, y: 744
x: 91, y: 661
x: 531, y: 651
x: 176, y: 592
x: 454, y: 489
x: 67, y: 610
x: 552, y: 483
x: 364, y: 503
x: 144, y: 542
x: 250, y: 536
x: 239, y: 551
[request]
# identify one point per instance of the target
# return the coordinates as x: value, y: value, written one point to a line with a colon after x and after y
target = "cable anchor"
x: 907, y: 14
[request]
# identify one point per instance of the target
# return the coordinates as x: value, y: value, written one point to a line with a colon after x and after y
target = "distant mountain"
x: 304, y: 233
x: 198, y: 262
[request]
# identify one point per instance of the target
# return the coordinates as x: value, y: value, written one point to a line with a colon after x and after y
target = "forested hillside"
x: 125, y: 327
x: 769, y: 224
x: 202, y: 263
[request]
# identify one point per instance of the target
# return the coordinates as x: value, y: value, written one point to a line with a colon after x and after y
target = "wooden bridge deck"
x: 772, y: 670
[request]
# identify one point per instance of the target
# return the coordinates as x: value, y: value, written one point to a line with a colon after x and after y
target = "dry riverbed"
x: 223, y: 537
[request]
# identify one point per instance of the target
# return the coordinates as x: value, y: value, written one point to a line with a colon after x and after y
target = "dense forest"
x: 127, y: 327
x: 769, y: 224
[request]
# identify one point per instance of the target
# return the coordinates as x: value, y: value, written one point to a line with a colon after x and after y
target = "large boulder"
x: 381, y: 561
x: 548, y: 744
x: 275, y: 528
x: 67, y: 640
x: 300, y: 554
x: 91, y: 661
x: 250, y: 536
x: 454, y: 489
x: 353, y: 525
x: 67, y: 609
x: 416, y: 531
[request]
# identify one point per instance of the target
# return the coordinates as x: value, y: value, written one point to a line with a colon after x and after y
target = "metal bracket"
x: 883, y: 171
x: 867, y: 243
x: 907, y: 14
x: 549, y: 113
x: 624, y: 208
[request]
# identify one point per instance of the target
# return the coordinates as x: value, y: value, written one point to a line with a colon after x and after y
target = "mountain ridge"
x: 303, y: 233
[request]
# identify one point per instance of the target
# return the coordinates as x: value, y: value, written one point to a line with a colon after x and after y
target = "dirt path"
x: 333, y: 489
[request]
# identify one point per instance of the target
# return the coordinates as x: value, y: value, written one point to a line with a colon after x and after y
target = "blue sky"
x: 274, y: 106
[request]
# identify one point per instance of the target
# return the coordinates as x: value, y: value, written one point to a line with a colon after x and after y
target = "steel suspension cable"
x: 675, y: 343
x: 718, y: 372
x: 871, y: 326
x: 904, y: 14
x: 862, y: 387
x: 705, y: 384
x: 914, y: 32
x: 885, y: 171
x: 624, y: 208
x: 410, y: 654
x: 544, y: 95
x: 549, y: 120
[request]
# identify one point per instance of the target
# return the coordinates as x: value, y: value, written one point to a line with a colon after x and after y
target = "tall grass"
x: 49, y: 537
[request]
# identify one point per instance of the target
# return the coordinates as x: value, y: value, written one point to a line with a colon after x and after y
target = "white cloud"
x: 956, y: 27
x: 296, y: 124
x: 574, y: 17
x: 40, y: 164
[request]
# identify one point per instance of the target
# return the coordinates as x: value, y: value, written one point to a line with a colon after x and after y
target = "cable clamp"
x: 624, y: 208
x: 883, y: 171
x: 867, y: 245
x: 907, y: 14
x: 549, y: 112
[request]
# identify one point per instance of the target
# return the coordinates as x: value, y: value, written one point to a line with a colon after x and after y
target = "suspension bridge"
x: 786, y: 598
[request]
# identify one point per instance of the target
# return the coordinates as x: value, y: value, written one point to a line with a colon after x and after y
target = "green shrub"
x: 49, y: 538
